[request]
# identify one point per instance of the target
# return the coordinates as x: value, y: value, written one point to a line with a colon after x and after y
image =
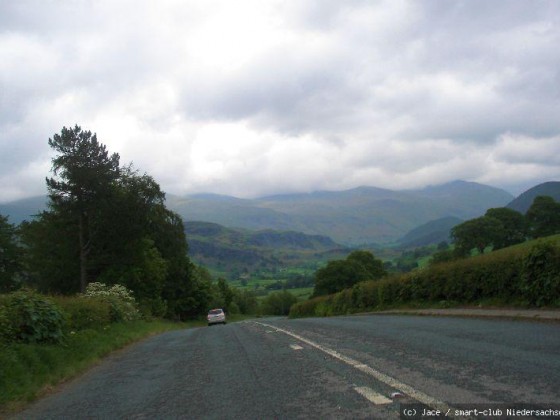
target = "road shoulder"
x: 549, y: 315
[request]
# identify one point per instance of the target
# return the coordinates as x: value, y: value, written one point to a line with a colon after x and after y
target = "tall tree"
x: 10, y: 256
x: 110, y: 224
x: 372, y: 267
x: 543, y: 217
x: 84, y: 174
x: 341, y: 274
x: 51, y: 257
x: 514, y: 227
x: 476, y: 233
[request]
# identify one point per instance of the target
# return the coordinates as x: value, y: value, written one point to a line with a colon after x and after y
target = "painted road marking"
x: 372, y: 396
x: 386, y: 379
x: 296, y: 347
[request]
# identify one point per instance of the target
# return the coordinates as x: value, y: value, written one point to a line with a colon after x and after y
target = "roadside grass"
x: 28, y: 371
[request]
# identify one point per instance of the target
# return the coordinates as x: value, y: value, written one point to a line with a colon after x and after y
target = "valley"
x: 278, y: 242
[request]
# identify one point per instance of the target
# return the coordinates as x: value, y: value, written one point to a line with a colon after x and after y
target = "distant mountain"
x: 18, y: 211
x: 234, y: 251
x: 433, y: 232
x: 525, y: 200
x: 364, y: 215
x: 351, y: 217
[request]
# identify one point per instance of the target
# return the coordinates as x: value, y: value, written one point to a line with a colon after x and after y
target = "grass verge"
x: 28, y: 371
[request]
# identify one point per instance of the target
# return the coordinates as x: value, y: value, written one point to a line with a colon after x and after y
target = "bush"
x: 155, y: 307
x: 540, y: 281
x: 278, y: 303
x: 306, y: 308
x: 83, y: 313
x: 123, y: 305
x: 28, y: 317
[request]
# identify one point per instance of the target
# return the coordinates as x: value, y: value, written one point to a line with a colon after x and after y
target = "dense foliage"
x: 10, y: 257
x: 105, y: 223
x: 340, y: 274
x: 543, y: 217
x: 278, y: 303
x: 503, y: 227
x: 523, y: 274
x: 29, y: 317
x: 122, y: 303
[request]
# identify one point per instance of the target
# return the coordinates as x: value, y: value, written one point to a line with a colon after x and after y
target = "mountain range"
x: 363, y: 215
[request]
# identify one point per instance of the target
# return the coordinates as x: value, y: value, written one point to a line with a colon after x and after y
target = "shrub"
x: 83, y: 313
x: 155, y: 307
x: 278, y: 303
x: 342, y: 302
x: 29, y: 317
x: 540, y: 281
x: 122, y: 302
x: 306, y: 308
x: 365, y: 294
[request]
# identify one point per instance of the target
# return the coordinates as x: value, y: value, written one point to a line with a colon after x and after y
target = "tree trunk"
x: 84, y: 245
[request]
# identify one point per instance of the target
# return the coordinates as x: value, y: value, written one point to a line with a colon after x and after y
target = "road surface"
x: 344, y: 367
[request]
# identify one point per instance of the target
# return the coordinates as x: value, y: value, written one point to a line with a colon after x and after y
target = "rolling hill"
x: 525, y: 200
x: 236, y: 251
x: 433, y: 232
x: 20, y: 210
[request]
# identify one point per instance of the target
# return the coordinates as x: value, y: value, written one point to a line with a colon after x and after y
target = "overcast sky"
x: 252, y: 98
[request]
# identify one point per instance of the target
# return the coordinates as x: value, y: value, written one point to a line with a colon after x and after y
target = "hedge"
x: 526, y: 274
x: 83, y: 313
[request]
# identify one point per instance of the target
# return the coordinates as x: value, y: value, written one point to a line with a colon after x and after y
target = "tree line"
x: 503, y: 227
x: 498, y: 228
x: 108, y: 223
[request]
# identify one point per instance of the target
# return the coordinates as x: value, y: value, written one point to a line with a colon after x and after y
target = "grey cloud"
x: 388, y: 88
x: 448, y: 38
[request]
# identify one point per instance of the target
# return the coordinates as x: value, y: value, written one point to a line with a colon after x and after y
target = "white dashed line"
x: 372, y: 396
x: 386, y: 379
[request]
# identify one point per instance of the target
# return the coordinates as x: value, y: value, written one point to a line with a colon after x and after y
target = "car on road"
x: 216, y: 316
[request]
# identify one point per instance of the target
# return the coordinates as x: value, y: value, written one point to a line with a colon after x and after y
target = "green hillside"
x: 430, y: 233
x: 236, y: 253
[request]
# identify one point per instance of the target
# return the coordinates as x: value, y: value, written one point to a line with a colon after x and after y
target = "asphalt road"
x: 345, y: 367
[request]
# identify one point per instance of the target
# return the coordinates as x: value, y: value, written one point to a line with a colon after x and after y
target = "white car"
x: 216, y: 316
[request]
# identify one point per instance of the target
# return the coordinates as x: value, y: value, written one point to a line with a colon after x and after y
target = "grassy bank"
x: 30, y: 370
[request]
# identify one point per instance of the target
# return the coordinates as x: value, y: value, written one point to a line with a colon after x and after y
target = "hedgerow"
x: 524, y: 274
x: 29, y: 317
x: 83, y: 313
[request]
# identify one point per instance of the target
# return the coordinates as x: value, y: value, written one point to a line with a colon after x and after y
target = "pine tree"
x: 84, y: 174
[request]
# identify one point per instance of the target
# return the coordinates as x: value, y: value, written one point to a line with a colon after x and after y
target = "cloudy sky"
x: 251, y: 98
